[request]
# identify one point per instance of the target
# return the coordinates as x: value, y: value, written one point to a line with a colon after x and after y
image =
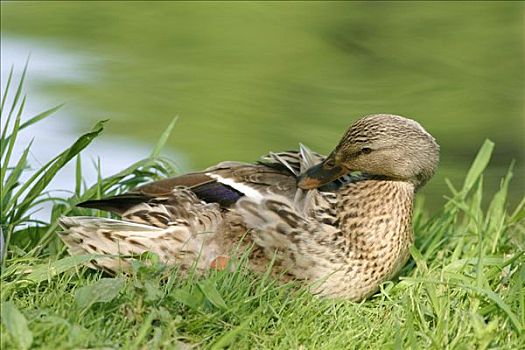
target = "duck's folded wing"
x: 154, y: 191
x: 255, y: 181
x: 219, y: 185
x: 224, y: 183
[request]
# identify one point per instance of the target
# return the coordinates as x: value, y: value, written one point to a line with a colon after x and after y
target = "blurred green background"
x: 250, y: 77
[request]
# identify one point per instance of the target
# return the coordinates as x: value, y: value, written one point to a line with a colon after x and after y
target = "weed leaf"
x: 46, y: 271
x: 210, y: 292
x: 16, y: 325
x: 102, y: 291
x: 193, y: 299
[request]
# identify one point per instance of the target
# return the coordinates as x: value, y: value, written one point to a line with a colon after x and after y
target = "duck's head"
x: 382, y: 145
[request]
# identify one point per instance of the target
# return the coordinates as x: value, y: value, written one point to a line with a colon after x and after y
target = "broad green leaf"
x: 102, y: 291
x: 153, y: 292
x: 16, y: 325
x: 193, y: 299
x: 210, y: 292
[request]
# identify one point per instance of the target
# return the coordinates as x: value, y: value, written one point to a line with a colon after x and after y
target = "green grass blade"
x: 226, y: 340
x: 163, y: 139
x: 49, y: 170
x: 13, y: 178
x: 494, y: 297
x: 114, y: 179
x: 143, y: 332
x: 478, y: 166
x: 34, y: 120
x: 40, y: 116
x: 495, y: 218
x: 519, y: 213
x: 11, y: 143
x: 46, y: 271
x: 6, y: 91
x: 78, y: 176
x: 15, y: 99
x: 499, y: 302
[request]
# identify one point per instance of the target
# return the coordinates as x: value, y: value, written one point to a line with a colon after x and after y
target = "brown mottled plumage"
x: 342, y: 223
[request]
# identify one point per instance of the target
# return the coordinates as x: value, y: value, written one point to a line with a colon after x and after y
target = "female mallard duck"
x: 312, y: 214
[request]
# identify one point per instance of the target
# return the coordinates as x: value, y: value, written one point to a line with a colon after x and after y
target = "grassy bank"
x: 462, y: 289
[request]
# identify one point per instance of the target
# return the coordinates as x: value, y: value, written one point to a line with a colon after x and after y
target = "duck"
x: 340, y: 224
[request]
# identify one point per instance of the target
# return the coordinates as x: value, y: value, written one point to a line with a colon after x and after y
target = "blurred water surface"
x: 247, y: 78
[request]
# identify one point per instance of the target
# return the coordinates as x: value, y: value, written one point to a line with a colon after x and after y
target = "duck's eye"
x: 366, y: 150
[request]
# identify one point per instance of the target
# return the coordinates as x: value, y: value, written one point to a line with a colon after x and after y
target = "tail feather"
x: 68, y: 222
x: 308, y: 158
x: 117, y: 204
x: 294, y: 161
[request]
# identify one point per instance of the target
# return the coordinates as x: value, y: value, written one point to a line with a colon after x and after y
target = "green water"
x: 246, y: 78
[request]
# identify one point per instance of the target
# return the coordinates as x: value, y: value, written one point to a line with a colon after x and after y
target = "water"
x: 247, y: 78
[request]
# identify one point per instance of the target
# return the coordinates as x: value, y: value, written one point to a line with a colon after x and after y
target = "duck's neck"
x: 375, y: 219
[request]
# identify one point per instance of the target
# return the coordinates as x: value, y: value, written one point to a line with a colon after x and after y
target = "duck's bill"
x: 318, y: 175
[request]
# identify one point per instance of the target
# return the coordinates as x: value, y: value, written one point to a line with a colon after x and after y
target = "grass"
x: 462, y: 289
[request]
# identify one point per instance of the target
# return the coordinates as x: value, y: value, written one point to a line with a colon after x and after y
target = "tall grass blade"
x: 478, y: 166
x: 78, y: 176
x: 33, y: 120
x: 40, y: 116
x: 11, y: 144
x: 163, y: 138
x: 15, y: 100
x: 6, y: 91
x: 13, y: 178
x: 49, y: 170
